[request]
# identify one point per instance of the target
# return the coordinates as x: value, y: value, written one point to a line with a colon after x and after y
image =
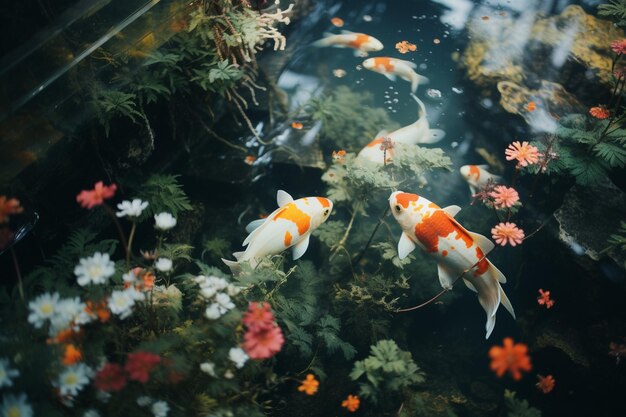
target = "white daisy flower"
x: 131, y: 208
x: 213, y: 312
x: 164, y: 221
x: 96, y: 269
x: 233, y: 290
x: 7, y: 373
x: 238, y: 356
x: 163, y: 264
x: 160, y: 409
x: 129, y: 277
x: 73, y: 379
x: 121, y: 304
x: 229, y: 374
x: 224, y: 301
x: 208, y: 368
x: 135, y: 294
x: 91, y: 413
x: 70, y: 311
x: 144, y: 401
x: 42, y: 308
x: 15, y: 406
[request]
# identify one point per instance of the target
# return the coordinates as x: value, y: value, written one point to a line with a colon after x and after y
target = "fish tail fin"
x: 417, y: 80
x: 325, y: 41
x: 422, y: 109
x: 504, y: 300
x: 234, y: 266
x: 491, y: 295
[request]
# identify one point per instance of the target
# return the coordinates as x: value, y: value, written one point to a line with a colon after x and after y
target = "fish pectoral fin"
x: 469, y: 285
x: 391, y: 77
x: 483, y: 243
x: 238, y: 255
x: 360, y: 54
x: 452, y: 210
x: 254, y: 224
x: 405, y: 246
x: 299, y: 248
x: 446, y: 278
x: 472, y: 189
x: 283, y: 198
x: 484, y: 166
x: 346, y: 32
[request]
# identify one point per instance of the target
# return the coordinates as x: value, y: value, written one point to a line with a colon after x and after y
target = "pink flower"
x: 504, y: 197
x: 507, y: 232
x: 91, y: 198
x: 525, y: 153
x: 619, y: 46
x: 544, y: 299
x: 258, y: 316
x: 263, y: 343
x: 139, y: 364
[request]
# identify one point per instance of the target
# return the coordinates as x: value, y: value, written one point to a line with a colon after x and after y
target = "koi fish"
x: 477, y: 176
x: 361, y: 42
x: 456, y: 249
x: 413, y: 134
x: 392, y: 68
x: 289, y: 226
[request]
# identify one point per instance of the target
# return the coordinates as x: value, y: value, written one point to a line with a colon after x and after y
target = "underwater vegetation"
x: 333, y: 289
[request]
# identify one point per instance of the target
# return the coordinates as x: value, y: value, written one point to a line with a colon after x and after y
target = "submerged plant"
x: 517, y: 407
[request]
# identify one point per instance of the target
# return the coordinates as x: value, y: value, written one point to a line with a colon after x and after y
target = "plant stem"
x: 20, y: 286
x: 344, y: 238
x: 369, y: 242
x: 110, y: 212
x: 130, y: 243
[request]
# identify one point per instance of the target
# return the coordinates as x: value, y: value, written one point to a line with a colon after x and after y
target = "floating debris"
x: 531, y: 106
x: 432, y: 93
x: 337, y: 21
x: 367, y: 18
x: 297, y: 125
x: 405, y: 46
x: 485, y: 18
x: 339, y: 73
x: 436, y: 41
x: 250, y: 159
x: 457, y: 90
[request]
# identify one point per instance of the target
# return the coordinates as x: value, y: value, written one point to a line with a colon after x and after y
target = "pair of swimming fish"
x: 362, y: 45
x: 423, y: 224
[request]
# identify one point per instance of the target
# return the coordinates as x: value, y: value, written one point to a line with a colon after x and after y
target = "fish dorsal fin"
x: 299, y: 248
x: 483, y: 243
x: 452, y: 210
x: 238, y: 255
x: 383, y: 133
x: 254, y: 224
x: 409, y: 63
x: 348, y: 32
x: 484, y: 166
x: 283, y: 198
x: 328, y: 34
x: 405, y: 246
x: 391, y: 77
x: 446, y: 278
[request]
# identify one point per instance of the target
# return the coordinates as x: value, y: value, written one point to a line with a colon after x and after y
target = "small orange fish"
x: 249, y: 159
x: 337, y: 21
x: 531, y: 106
x: 297, y: 125
x: 405, y: 46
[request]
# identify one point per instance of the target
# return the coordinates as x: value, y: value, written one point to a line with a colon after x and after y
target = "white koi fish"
x: 392, y: 68
x: 477, y: 176
x: 456, y: 249
x: 289, y: 226
x: 413, y: 134
x: 360, y: 42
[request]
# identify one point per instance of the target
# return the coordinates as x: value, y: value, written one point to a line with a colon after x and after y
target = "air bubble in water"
x: 432, y: 93
x: 457, y: 90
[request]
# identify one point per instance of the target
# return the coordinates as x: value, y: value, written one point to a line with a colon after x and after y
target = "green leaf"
x: 612, y: 153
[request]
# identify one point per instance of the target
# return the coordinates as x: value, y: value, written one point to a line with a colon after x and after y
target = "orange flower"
x: 249, y: 159
x: 351, y: 403
x: 405, y: 46
x: 544, y: 298
x: 7, y: 207
x: 337, y: 21
x: 339, y: 156
x: 512, y: 357
x: 525, y: 153
x: 72, y: 355
x: 504, y: 233
x: 600, y: 112
x: 309, y: 385
x: 98, y: 309
x: 64, y: 336
x: 91, y: 198
x: 147, y: 280
x: 545, y: 384
x: 531, y: 106
x: 297, y: 125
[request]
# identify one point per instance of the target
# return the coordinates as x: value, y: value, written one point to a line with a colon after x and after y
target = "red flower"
x: 110, y: 378
x: 91, y: 198
x: 544, y: 298
x: 7, y: 207
x: 139, y: 365
x: 258, y: 316
x: 263, y: 343
x: 619, y: 46
x: 546, y: 383
x: 512, y: 357
x: 600, y: 112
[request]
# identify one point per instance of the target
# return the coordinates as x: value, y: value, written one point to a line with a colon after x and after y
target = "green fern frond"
x: 613, y: 153
x: 164, y: 193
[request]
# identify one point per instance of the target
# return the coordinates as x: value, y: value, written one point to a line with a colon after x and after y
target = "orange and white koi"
x: 413, y: 134
x: 455, y: 249
x: 360, y: 42
x: 289, y: 226
x: 392, y: 68
x: 478, y: 177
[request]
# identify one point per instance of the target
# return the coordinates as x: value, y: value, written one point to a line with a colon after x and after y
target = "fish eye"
x: 398, y: 208
x: 326, y: 212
